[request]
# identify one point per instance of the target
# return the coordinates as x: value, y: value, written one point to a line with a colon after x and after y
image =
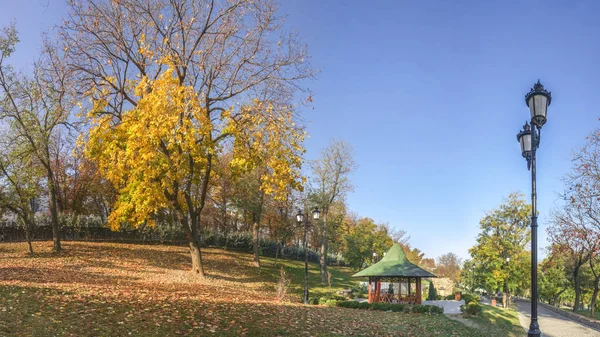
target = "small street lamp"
x: 300, y: 220
x: 537, y: 99
x: 316, y: 213
x: 374, y: 257
x: 299, y: 217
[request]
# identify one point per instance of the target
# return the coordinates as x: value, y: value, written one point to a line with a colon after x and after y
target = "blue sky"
x: 431, y: 95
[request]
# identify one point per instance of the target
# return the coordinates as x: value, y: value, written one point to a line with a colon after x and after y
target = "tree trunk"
x: 197, y: 266
x: 504, y: 300
x: 29, y: 243
x: 594, y: 298
x: 191, y: 222
x: 256, y: 217
x: 323, y: 259
x: 255, y: 244
x: 324, y: 244
x: 54, y: 213
x: 577, y: 288
x: 27, y: 228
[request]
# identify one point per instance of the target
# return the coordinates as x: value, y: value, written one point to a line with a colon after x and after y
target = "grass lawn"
x: 270, y: 270
x: 498, y: 321
x: 587, y: 313
x: 107, y: 289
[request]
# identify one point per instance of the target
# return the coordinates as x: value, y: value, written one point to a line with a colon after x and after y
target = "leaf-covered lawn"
x: 106, y: 289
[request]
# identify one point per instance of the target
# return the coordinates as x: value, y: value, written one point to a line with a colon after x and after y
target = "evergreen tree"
x: 432, y: 296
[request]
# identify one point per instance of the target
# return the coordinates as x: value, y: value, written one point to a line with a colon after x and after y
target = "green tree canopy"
x: 363, y: 239
x: 500, y: 253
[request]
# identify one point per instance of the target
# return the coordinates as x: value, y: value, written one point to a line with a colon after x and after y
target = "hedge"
x: 416, y: 308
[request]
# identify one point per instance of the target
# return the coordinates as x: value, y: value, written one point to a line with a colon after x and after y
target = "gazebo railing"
x: 394, y: 298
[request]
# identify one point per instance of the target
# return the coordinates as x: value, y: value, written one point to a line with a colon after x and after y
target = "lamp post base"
x: 534, y: 329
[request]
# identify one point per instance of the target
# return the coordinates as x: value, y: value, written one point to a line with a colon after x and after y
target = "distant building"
x: 443, y: 286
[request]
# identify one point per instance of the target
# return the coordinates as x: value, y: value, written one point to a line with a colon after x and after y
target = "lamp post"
x: 374, y: 257
x: 538, y: 100
x: 300, y: 220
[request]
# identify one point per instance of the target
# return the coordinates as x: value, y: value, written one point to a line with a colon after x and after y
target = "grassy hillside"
x: 105, y: 289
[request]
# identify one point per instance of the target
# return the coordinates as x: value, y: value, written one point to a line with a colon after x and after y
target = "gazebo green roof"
x: 394, y: 264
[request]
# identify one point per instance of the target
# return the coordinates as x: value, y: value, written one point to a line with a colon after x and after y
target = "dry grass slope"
x: 106, y: 289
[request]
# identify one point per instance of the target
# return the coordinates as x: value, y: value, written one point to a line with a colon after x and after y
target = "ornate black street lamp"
x: 300, y: 220
x: 538, y: 100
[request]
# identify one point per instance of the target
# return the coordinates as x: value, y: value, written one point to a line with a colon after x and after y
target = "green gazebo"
x: 400, y: 278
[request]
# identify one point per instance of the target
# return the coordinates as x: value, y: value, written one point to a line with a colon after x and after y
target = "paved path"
x: 450, y: 307
x: 553, y: 325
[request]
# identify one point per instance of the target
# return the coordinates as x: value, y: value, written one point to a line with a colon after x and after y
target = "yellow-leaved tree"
x: 161, y: 153
x: 172, y: 86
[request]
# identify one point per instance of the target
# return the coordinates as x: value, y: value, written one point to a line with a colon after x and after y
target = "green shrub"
x: 401, y: 308
x: 421, y: 309
x: 436, y: 310
x: 473, y: 309
x: 388, y: 307
x: 380, y: 306
x: 323, y: 300
x: 470, y: 298
x: 330, y: 303
x: 358, y: 291
x: 348, y: 304
x: 449, y: 297
x: 353, y: 304
x: 427, y: 309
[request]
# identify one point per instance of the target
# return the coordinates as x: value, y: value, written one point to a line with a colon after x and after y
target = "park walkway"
x: 553, y: 325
